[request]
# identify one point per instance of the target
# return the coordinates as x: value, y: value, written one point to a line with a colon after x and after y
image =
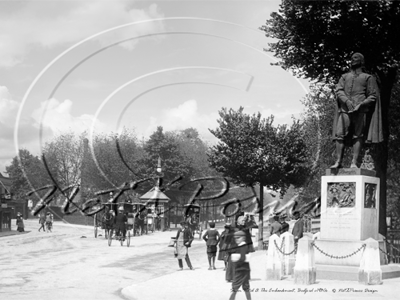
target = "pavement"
x: 202, y: 283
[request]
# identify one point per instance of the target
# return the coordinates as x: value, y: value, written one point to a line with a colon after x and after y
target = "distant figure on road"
x: 297, y: 228
x: 240, y: 259
x: 276, y: 227
x: 42, y: 222
x: 184, y: 239
x: 20, y: 222
x: 49, y: 221
x: 212, y: 239
x: 120, y: 223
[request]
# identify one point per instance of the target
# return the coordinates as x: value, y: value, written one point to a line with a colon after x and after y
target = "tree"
x: 315, y: 40
x: 64, y: 155
x: 318, y: 119
x: 165, y: 146
x: 251, y: 150
x: 116, y: 158
x: 27, y: 173
x: 194, y: 149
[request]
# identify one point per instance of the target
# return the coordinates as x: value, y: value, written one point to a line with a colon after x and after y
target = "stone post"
x: 304, y: 269
x: 274, y: 259
x: 370, y: 271
x: 288, y: 247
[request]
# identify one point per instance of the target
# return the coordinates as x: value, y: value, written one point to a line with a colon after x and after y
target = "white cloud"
x: 184, y: 116
x: 49, y: 24
x: 57, y: 116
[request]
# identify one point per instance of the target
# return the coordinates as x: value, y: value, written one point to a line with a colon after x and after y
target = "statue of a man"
x: 358, y: 112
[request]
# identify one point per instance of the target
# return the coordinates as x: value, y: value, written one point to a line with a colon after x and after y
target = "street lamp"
x: 159, y: 169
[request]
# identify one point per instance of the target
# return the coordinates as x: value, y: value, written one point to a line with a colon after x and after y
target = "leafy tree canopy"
x: 316, y: 38
x: 251, y: 150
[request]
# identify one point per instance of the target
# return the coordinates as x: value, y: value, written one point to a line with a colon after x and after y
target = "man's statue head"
x: 357, y: 60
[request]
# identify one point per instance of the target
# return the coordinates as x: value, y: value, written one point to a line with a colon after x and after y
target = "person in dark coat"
x: 184, y: 239
x: 120, y: 222
x: 240, y: 258
x: 230, y: 248
x: 20, y: 223
x: 212, y: 239
x: 42, y: 222
x: 298, y: 228
x: 223, y: 245
x: 244, y: 224
x: 284, y: 225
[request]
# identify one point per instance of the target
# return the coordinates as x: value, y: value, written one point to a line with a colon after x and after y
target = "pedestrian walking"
x: 42, y: 222
x: 49, y: 221
x: 230, y: 247
x: 20, y: 222
x: 240, y: 258
x: 223, y: 245
x: 184, y: 239
x: 212, y: 239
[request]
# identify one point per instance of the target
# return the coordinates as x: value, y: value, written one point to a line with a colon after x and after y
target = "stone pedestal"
x: 370, y: 271
x: 349, y: 215
x: 304, y: 271
x: 274, y: 259
x: 288, y: 247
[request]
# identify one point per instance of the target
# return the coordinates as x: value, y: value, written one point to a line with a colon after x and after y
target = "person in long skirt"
x: 20, y: 222
x: 222, y: 253
x: 230, y: 248
x: 184, y: 239
x: 212, y: 239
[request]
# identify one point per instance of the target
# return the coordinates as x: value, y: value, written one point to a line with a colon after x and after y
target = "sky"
x: 100, y: 66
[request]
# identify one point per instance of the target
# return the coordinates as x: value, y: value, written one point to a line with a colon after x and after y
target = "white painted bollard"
x: 316, y: 236
x: 370, y: 271
x: 274, y: 259
x: 288, y: 247
x: 304, y: 269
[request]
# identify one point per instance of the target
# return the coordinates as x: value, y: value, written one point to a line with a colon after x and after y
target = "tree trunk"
x: 385, y: 82
x: 260, y: 219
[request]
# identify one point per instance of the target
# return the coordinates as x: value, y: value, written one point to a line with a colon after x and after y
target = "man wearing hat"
x: 240, y: 259
x: 120, y: 222
x: 358, y: 111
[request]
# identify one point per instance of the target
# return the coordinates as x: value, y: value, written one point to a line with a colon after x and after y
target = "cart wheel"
x: 128, y: 239
x: 109, y: 238
x: 200, y: 233
x: 95, y: 231
x: 106, y: 233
